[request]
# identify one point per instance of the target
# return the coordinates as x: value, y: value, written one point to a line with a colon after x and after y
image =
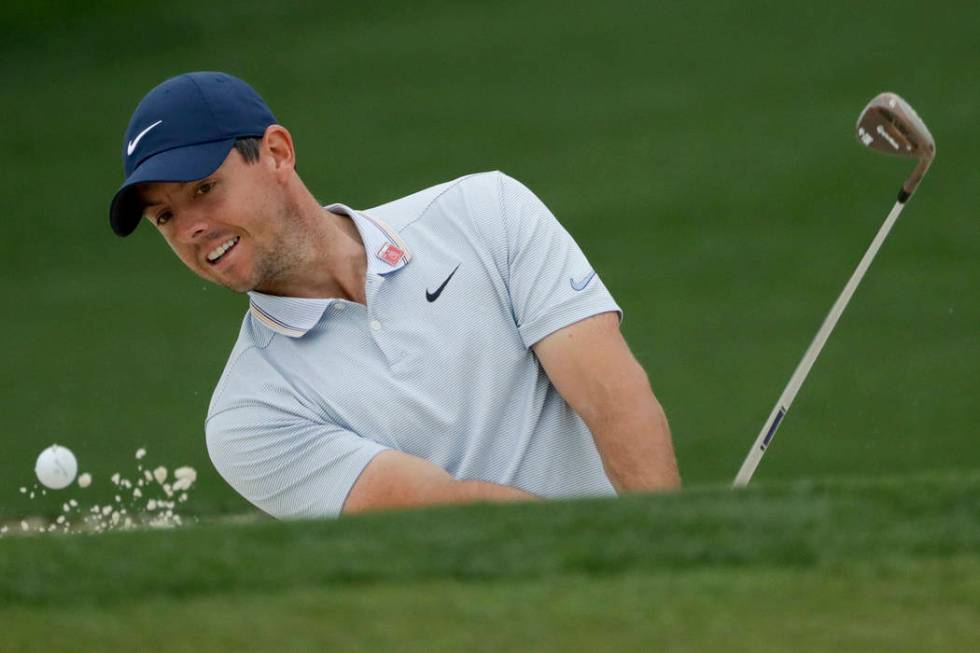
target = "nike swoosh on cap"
x: 131, y: 147
x: 580, y: 285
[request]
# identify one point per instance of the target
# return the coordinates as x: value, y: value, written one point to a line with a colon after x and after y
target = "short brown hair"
x: 248, y: 148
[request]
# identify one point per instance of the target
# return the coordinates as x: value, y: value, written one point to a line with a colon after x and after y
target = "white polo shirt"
x: 462, y: 279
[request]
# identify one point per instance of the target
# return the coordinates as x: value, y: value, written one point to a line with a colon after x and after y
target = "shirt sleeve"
x: 552, y: 284
x: 287, y: 464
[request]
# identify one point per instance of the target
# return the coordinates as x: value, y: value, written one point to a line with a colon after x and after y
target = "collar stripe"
x: 273, y: 323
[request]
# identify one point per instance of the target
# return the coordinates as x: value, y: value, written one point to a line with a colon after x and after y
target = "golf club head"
x: 890, y: 125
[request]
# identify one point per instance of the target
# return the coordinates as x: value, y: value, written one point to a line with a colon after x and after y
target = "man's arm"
x: 399, y: 480
x: 592, y: 367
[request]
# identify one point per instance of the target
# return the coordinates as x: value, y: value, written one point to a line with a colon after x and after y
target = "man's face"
x: 230, y: 227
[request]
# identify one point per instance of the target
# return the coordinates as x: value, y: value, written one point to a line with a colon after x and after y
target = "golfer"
x: 451, y: 346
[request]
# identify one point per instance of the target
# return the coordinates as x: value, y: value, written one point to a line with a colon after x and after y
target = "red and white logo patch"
x: 390, y: 254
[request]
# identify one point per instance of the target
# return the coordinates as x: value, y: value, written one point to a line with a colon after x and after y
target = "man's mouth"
x: 219, y: 252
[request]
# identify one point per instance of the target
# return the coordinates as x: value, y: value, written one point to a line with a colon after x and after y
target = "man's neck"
x: 331, y: 260
x: 346, y: 257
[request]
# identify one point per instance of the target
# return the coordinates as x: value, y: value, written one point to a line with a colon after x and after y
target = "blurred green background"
x: 701, y: 153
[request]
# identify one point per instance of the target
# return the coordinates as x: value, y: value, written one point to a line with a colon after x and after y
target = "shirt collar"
x: 293, y: 316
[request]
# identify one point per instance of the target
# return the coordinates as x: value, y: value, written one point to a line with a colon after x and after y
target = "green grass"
x: 712, y: 141
x: 888, y: 564
x: 922, y: 605
x: 702, y: 155
x: 797, y: 525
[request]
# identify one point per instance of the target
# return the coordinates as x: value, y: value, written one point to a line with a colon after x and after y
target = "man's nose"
x: 193, y: 227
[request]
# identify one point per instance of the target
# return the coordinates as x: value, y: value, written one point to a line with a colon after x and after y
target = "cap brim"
x: 180, y: 164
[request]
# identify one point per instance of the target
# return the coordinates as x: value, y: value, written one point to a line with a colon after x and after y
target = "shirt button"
x: 375, y: 325
x: 339, y: 306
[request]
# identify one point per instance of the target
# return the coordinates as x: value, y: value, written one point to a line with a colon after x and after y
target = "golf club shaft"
x: 799, y: 376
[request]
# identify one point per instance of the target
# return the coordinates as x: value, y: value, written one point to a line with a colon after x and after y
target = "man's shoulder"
x: 246, y: 362
x: 403, y: 211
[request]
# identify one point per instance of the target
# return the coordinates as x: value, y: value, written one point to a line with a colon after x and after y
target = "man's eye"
x: 205, y: 188
x: 163, y: 218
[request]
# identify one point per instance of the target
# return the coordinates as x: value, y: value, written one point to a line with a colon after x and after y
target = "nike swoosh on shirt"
x: 580, y: 285
x: 432, y: 296
x: 133, y: 143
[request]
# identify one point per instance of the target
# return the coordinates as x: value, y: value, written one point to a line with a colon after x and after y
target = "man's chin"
x: 237, y: 286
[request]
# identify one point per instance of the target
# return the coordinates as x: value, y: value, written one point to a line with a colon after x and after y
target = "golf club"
x: 887, y: 124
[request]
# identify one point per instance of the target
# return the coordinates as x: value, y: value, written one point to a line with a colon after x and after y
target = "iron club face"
x: 889, y: 124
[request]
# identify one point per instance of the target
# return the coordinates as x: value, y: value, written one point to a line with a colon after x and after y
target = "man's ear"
x: 277, y: 147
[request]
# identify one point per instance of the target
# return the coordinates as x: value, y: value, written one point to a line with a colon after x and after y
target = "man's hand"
x: 399, y: 480
x: 592, y: 367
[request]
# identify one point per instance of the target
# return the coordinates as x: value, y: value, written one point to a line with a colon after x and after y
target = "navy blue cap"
x: 182, y: 131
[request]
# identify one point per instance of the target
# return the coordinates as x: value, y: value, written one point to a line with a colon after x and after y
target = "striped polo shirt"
x: 462, y: 279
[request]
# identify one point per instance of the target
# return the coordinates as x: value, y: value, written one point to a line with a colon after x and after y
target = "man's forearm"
x: 466, y: 491
x: 394, y: 479
x: 633, y: 439
x: 592, y: 367
x: 449, y: 492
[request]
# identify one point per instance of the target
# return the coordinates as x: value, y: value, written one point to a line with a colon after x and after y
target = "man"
x: 450, y: 346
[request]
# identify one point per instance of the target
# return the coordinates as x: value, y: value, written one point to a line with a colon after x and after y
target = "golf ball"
x: 56, y: 467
